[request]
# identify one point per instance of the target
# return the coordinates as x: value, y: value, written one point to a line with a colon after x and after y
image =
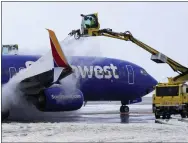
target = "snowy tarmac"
x: 97, y: 121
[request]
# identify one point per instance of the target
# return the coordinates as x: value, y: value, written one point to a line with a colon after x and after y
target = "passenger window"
x: 187, y: 90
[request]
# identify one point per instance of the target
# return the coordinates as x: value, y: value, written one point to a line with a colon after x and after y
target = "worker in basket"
x: 89, y: 26
x: 89, y: 22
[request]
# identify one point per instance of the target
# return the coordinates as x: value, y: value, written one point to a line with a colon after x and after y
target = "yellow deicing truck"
x: 169, y: 98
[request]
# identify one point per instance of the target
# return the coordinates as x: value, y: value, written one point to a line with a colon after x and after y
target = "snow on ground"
x: 174, y: 122
x: 115, y: 107
x: 85, y: 131
x: 80, y: 132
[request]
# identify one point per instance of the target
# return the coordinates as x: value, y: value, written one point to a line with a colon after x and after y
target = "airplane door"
x: 12, y: 71
x: 130, y: 74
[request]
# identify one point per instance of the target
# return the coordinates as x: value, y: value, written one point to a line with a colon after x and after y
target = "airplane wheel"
x: 121, y: 109
x: 4, y: 115
x: 124, y: 109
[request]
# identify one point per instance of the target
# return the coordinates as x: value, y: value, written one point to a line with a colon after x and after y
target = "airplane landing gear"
x: 124, y: 109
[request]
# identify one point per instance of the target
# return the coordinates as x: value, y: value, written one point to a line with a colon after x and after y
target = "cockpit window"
x: 142, y: 71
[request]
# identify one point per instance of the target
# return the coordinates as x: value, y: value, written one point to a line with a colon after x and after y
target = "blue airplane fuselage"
x: 99, y: 78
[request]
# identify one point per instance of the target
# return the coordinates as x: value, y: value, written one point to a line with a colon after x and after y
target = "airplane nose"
x: 151, y: 83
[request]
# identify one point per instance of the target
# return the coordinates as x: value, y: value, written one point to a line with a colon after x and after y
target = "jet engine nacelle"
x: 57, y: 99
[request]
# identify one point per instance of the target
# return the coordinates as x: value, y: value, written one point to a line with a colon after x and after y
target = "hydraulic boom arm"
x: 127, y: 36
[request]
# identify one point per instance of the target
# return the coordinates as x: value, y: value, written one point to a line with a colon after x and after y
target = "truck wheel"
x: 157, y: 116
x: 168, y: 116
x: 183, y: 115
x: 164, y: 116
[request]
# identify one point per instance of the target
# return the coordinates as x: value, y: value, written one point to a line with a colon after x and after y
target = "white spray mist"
x: 11, y: 95
x: 83, y: 47
x: 86, y: 46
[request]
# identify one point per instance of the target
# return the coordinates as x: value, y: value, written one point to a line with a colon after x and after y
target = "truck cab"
x: 170, y: 99
x: 185, y: 93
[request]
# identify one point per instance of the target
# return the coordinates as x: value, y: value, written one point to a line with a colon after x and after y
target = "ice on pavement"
x: 79, y: 132
x: 110, y: 107
x: 174, y: 122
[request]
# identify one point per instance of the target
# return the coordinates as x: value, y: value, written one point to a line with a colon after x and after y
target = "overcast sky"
x: 164, y: 26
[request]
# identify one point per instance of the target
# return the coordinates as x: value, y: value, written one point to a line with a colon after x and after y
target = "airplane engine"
x: 57, y: 99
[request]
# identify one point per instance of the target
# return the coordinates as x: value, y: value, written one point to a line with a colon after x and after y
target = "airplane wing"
x: 47, y: 70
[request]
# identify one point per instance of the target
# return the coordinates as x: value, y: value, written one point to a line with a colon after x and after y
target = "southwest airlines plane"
x: 96, y: 79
